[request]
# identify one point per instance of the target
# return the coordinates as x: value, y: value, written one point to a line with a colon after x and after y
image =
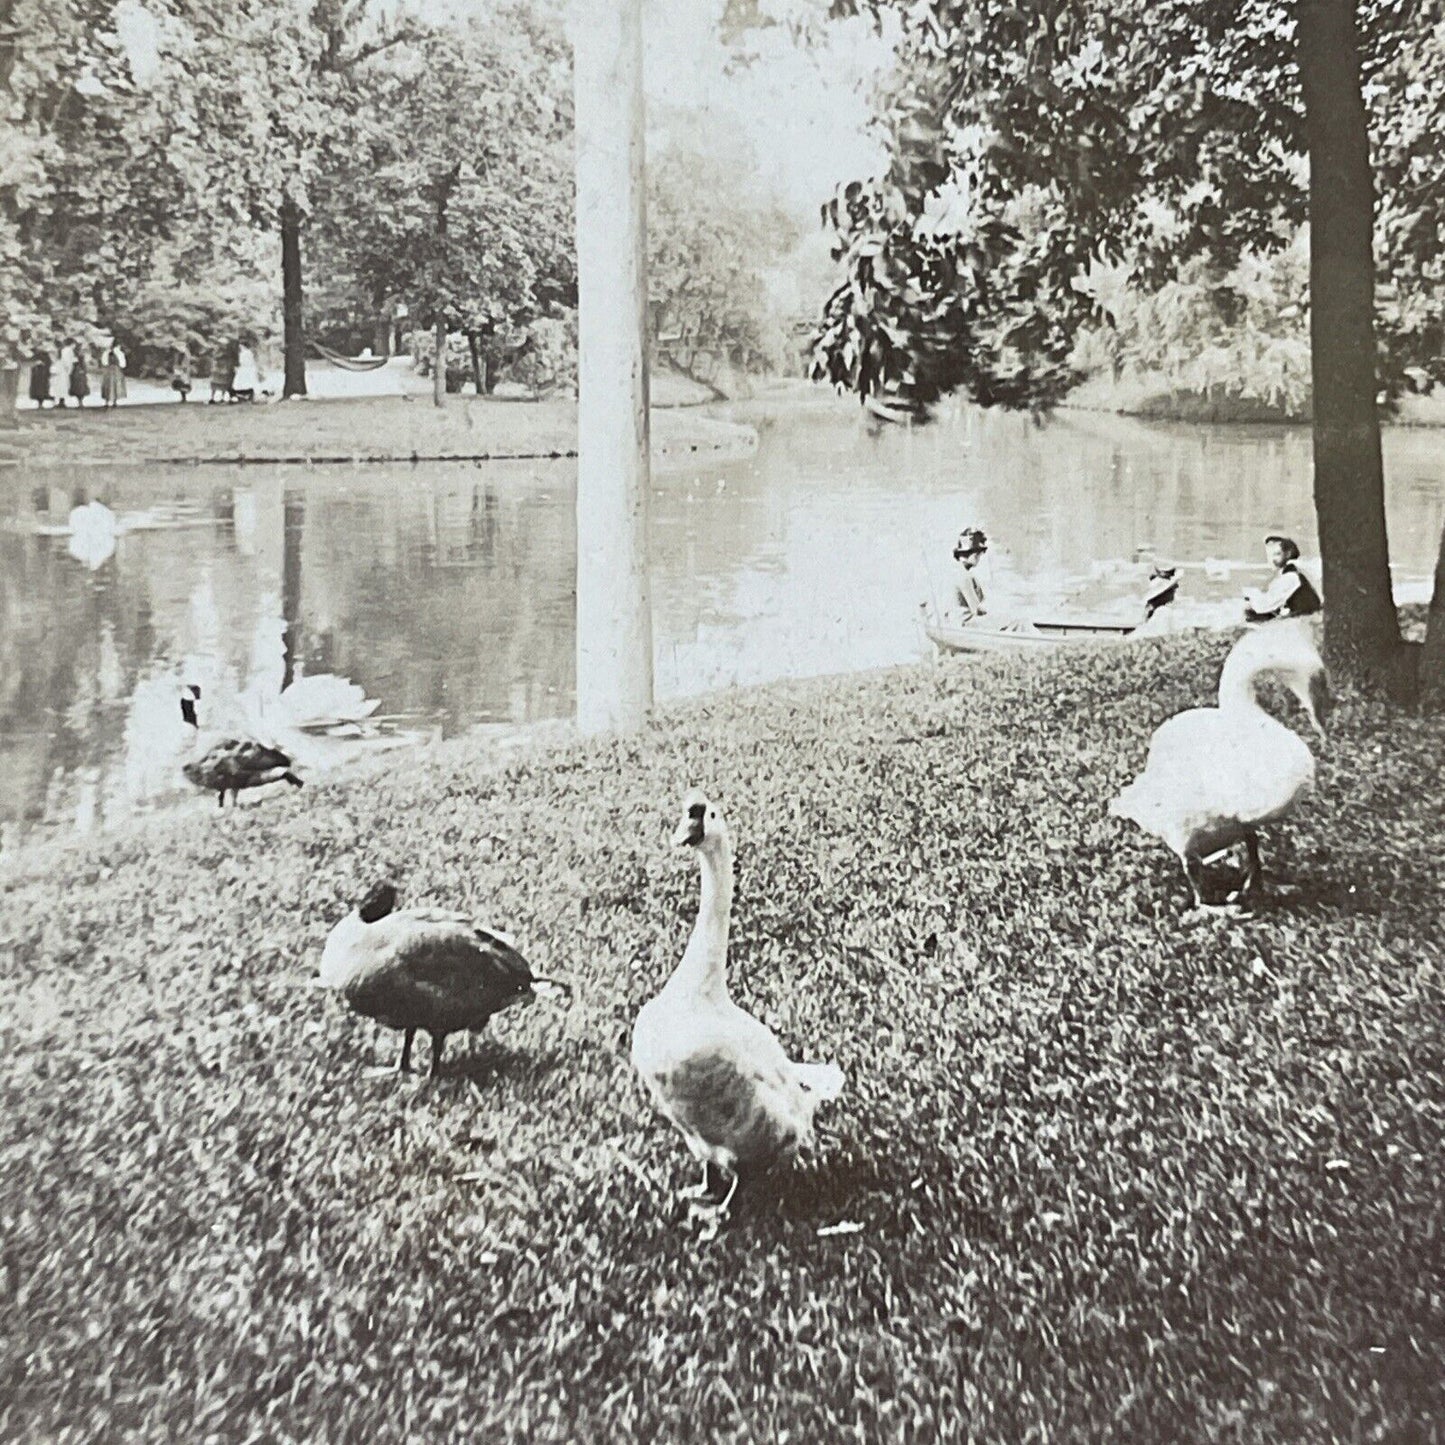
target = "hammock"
x: 348, y: 363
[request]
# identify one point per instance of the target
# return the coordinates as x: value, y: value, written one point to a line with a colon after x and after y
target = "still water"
x: 446, y: 591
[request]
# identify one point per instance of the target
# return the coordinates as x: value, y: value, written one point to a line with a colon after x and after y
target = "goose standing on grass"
x: 230, y: 764
x: 425, y: 969
x: 1216, y: 775
x: 714, y: 1070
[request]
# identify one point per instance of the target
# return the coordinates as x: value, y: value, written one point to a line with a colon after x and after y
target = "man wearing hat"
x: 1290, y: 593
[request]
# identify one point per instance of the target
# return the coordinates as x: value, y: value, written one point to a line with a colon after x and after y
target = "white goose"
x: 714, y: 1070
x: 1216, y: 775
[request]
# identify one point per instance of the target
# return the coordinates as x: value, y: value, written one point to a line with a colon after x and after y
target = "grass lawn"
x: 1117, y: 1178
x: 368, y: 428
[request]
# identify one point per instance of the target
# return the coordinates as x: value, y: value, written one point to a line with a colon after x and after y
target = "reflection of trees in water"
x: 80, y: 650
x: 451, y: 596
x: 72, y: 644
x: 293, y: 526
x: 448, y: 590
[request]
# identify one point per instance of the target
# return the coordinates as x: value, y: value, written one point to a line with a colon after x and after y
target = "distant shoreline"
x: 1152, y: 399
x: 362, y: 430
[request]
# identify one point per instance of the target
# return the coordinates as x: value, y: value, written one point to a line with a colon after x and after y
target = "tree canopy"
x: 1028, y: 143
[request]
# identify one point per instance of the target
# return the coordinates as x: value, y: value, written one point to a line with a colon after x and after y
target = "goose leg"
x: 715, y: 1214
x: 1253, y: 872
x: 703, y: 1190
x: 1194, y: 871
x: 221, y: 798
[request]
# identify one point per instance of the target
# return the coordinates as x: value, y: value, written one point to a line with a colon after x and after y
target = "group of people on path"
x: 56, y: 381
x: 1289, y: 593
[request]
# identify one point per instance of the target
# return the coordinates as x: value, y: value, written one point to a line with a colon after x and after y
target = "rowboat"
x: 1023, y: 635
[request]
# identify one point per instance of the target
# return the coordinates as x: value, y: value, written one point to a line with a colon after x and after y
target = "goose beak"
x: 692, y: 829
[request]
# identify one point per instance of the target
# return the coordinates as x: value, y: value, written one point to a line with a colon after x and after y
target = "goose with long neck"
x: 1216, y: 775
x: 715, y: 1071
x: 703, y: 970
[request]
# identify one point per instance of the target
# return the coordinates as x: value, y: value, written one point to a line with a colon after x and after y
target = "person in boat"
x: 967, y: 591
x: 1290, y: 593
x: 1163, y: 589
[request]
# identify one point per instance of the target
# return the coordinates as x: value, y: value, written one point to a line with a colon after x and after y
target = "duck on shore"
x: 425, y: 969
x: 717, y: 1073
x: 1216, y: 775
x: 230, y: 764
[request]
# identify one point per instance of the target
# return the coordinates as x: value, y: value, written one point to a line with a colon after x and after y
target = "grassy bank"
x: 365, y: 428
x: 1117, y: 1178
x: 1153, y: 399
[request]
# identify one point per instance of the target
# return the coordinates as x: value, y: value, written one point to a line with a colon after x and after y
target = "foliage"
x: 1029, y: 143
x: 1243, y: 334
x: 712, y: 240
x: 1114, y: 1178
x: 87, y: 182
x: 195, y: 307
x: 459, y: 201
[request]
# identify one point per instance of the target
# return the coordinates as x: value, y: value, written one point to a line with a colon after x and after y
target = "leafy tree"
x: 712, y: 241
x: 269, y: 90
x: 87, y: 181
x: 460, y: 200
x: 1241, y: 333
x: 1030, y: 139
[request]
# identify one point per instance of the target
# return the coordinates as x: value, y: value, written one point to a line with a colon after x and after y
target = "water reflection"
x: 446, y: 592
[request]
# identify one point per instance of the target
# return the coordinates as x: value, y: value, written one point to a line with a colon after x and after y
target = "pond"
x: 446, y: 591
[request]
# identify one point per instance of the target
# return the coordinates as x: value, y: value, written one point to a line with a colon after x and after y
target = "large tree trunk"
x: 1432, y: 660
x: 439, y: 353
x: 479, y: 367
x: 293, y: 319
x: 614, y: 606
x: 1362, y: 629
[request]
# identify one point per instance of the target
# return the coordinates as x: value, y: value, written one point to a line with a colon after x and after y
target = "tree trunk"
x: 479, y: 378
x: 614, y: 608
x: 10, y: 394
x: 291, y: 300
x: 381, y: 336
x: 1362, y: 628
x: 1432, y: 660
x: 439, y: 346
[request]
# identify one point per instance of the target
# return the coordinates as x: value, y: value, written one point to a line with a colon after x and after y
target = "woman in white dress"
x: 60, y: 370
x: 247, y: 381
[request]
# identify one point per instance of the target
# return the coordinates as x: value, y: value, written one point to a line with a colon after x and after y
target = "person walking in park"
x: 40, y: 377
x: 247, y: 380
x: 79, y: 376
x: 112, y: 376
x: 181, y: 374
x: 223, y: 371
x: 60, y: 370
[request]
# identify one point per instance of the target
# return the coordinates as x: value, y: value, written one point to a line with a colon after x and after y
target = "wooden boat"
x: 1022, y: 635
